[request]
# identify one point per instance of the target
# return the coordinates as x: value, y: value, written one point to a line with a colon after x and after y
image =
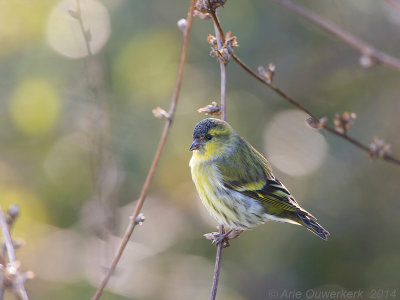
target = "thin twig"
x: 99, y: 155
x: 7, y: 238
x: 217, y: 267
x: 85, y: 32
x: 223, y: 90
x: 139, y: 205
x: 19, y: 282
x: 217, y: 26
x: 386, y: 157
x: 220, y: 40
x: 2, y: 285
x: 366, y: 49
x: 222, y: 66
x: 270, y: 85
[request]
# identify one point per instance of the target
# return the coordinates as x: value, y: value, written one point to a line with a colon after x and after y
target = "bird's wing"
x: 249, y: 173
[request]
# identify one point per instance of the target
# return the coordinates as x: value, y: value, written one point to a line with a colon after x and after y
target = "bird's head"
x: 211, y: 137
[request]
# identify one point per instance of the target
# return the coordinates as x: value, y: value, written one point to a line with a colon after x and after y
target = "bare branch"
x: 7, y: 238
x: 12, y: 268
x: 370, y: 53
x: 217, y: 26
x: 211, y: 109
x: 85, y: 32
x: 217, y: 267
x: 223, y: 90
x: 222, y: 65
x: 171, y: 113
x: 220, y: 42
x: 273, y: 87
x: 386, y: 156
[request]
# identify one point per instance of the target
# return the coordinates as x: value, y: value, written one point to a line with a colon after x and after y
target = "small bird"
x: 236, y: 184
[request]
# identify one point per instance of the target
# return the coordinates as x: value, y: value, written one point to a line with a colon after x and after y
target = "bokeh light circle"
x: 64, y: 33
x: 35, y: 106
x: 292, y: 146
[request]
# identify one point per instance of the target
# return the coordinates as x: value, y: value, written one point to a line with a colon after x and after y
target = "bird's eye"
x: 208, y: 137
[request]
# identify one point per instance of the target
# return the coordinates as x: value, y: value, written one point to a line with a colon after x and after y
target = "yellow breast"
x: 205, y: 176
x: 207, y: 180
x: 228, y: 207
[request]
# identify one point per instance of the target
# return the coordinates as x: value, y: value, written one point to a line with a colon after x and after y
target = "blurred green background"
x: 77, y: 138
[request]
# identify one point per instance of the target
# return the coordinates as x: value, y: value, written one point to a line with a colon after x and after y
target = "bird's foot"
x: 223, y: 238
x: 218, y: 238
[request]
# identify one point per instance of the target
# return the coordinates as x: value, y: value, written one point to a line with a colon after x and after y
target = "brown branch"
x: 18, y: 278
x: 134, y: 217
x: 386, y: 157
x: 7, y: 238
x: 85, y: 32
x: 99, y: 132
x: 270, y: 85
x: 223, y: 90
x: 367, y: 50
x: 217, y: 26
x: 220, y: 41
x: 217, y: 267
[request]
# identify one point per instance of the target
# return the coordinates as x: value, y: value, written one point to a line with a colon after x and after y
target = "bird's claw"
x: 218, y: 238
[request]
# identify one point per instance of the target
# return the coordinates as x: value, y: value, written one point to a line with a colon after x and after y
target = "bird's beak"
x: 195, y: 146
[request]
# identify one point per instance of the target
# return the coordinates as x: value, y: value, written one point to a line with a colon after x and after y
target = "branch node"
x: 13, y: 268
x: 367, y: 61
x: 379, y: 149
x: 160, y: 113
x: 344, y: 121
x: 212, y: 109
x: 12, y: 214
x: 182, y: 24
x: 204, y: 8
x: 315, y: 123
x: 12, y: 278
x: 140, y: 219
x: 202, y: 16
x: 225, y: 53
x: 29, y: 275
x: 269, y: 73
x: 212, y: 40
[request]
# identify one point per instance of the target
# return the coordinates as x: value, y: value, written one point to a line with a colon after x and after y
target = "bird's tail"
x: 309, y: 222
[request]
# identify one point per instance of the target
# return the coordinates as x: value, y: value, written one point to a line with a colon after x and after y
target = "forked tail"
x: 313, y: 226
